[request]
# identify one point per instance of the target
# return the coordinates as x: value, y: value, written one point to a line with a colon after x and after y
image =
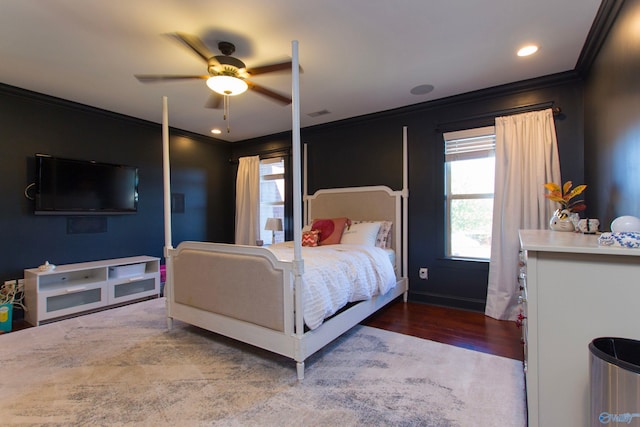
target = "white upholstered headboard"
x: 374, y: 203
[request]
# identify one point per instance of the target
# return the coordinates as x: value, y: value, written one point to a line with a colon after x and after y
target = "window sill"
x: 458, y: 258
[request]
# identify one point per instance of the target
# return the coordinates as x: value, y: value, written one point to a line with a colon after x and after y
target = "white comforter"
x: 337, y: 274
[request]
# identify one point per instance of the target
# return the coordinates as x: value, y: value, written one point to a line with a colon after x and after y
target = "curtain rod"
x: 274, y: 152
x: 505, y: 112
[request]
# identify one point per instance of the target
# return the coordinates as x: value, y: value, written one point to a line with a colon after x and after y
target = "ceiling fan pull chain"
x: 227, y: 115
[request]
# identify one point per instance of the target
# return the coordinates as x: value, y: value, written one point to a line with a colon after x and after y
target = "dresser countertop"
x: 564, y: 241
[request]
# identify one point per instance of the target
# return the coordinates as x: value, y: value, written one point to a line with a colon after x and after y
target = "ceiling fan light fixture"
x: 227, y: 85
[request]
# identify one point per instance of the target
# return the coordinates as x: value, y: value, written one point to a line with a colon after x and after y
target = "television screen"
x: 67, y: 187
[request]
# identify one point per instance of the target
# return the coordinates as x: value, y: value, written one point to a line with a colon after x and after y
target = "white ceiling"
x: 358, y: 56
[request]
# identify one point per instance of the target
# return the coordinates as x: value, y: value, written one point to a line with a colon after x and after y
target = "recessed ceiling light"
x: 216, y: 131
x: 528, y: 50
x: 421, y: 89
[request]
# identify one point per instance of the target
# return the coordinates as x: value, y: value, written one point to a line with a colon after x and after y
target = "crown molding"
x: 598, y: 33
x: 37, y: 97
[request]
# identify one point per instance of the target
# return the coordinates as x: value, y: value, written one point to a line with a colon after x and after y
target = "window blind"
x: 470, y: 143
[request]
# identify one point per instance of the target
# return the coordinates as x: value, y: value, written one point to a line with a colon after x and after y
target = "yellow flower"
x: 565, y: 194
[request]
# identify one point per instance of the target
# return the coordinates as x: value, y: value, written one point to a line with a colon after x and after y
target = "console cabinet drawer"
x: 57, y: 304
x: 132, y: 289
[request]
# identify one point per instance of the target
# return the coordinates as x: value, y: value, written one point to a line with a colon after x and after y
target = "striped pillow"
x: 310, y: 238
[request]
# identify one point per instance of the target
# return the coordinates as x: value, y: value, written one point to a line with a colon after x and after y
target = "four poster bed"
x: 286, y: 298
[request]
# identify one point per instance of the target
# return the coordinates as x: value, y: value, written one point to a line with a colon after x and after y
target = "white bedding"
x: 335, y: 275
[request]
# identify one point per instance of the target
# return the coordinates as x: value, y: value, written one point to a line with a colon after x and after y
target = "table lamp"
x: 273, y: 224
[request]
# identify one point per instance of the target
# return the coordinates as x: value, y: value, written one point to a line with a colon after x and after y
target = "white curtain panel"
x: 526, y: 159
x: 248, y: 201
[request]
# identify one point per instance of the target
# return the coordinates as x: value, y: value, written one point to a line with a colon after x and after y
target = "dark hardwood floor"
x: 461, y: 328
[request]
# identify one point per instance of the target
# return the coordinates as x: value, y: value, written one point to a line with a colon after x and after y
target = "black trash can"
x: 614, y: 372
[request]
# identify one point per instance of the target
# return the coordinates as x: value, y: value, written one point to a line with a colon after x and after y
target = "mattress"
x: 335, y: 275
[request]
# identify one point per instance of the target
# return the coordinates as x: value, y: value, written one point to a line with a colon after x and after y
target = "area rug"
x: 123, y: 367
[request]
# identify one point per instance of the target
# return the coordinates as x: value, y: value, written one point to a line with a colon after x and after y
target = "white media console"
x: 76, y: 288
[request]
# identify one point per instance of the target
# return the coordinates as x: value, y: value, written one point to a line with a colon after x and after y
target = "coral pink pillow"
x: 330, y: 229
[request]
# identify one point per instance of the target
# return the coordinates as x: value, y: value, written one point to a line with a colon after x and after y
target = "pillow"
x: 363, y: 233
x: 330, y: 229
x: 310, y: 238
x: 384, y: 235
x: 383, y: 240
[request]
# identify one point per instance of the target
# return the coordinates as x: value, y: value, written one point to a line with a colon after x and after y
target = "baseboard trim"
x: 448, y: 301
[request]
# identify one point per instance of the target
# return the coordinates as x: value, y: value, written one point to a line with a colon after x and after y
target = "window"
x: 469, y: 182
x: 271, y: 196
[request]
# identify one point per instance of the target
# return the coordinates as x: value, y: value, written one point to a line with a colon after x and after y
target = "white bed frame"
x: 246, y: 293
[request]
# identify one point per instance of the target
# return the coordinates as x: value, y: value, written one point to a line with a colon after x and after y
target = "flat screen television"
x: 81, y: 187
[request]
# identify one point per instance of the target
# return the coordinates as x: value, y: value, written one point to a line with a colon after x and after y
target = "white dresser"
x: 573, y: 291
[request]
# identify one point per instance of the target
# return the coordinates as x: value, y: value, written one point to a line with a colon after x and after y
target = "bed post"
x: 298, y: 265
x: 405, y: 211
x: 167, y: 206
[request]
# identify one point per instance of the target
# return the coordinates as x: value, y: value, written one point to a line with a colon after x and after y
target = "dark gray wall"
x: 200, y: 170
x: 612, y: 120
x: 31, y: 123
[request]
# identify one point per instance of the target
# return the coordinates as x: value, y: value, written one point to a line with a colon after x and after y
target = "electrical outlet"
x: 424, y: 273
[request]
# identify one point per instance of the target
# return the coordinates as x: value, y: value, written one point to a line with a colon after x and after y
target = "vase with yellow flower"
x: 566, y: 216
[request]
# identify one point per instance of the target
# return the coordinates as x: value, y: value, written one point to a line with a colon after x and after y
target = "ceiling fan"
x: 227, y: 75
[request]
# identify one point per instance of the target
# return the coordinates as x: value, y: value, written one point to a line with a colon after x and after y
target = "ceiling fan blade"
x: 285, y: 100
x: 158, y: 78
x: 197, y: 46
x: 214, y: 100
x: 270, y: 68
